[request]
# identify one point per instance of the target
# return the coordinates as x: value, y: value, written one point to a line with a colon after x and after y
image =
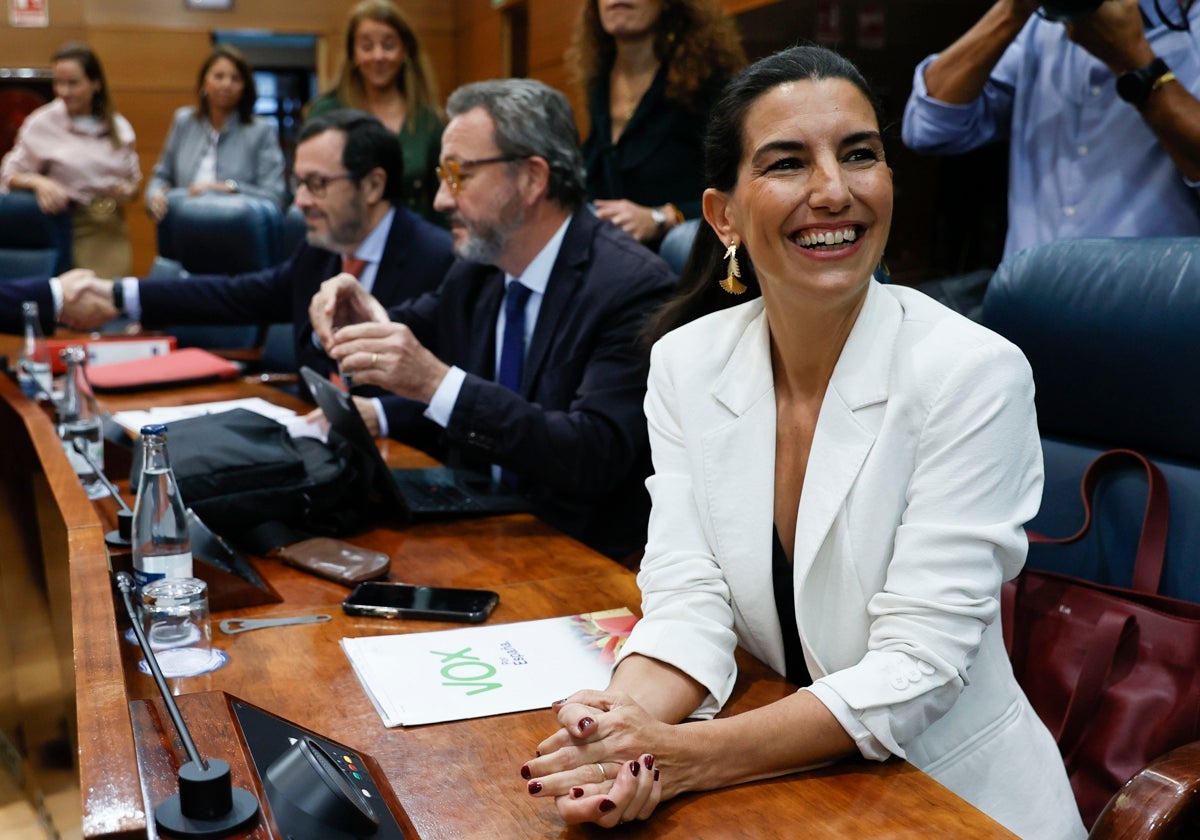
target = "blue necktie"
x: 512, y: 349
x: 512, y: 344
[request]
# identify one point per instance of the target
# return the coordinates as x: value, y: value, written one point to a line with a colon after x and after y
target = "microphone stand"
x: 207, y: 805
x: 123, y: 535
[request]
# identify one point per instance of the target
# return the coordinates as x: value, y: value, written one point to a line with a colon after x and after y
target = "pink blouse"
x: 80, y: 158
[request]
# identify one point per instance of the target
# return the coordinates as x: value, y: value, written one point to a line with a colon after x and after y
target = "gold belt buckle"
x: 102, y: 208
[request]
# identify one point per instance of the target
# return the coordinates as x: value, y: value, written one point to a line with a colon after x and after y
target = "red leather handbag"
x: 1114, y: 673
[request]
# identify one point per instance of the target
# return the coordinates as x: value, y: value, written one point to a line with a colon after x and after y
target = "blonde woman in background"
x: 385, y: 73
x: 77, y: 152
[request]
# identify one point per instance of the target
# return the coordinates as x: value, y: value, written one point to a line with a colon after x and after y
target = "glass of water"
x: 175, y: 618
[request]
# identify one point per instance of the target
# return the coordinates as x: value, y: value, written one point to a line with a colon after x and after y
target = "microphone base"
x: 169, y: 818
x: 113, y: 538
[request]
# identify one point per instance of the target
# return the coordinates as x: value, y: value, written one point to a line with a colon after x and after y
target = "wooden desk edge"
x: 105, y: 739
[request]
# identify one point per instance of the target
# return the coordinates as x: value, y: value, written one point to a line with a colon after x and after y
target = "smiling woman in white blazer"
x: 889, y: 443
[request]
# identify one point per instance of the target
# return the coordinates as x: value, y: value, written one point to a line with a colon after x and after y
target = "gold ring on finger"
x: 603, y: 775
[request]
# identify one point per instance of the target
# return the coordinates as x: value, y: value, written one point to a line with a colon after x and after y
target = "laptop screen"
x: 342, y: 415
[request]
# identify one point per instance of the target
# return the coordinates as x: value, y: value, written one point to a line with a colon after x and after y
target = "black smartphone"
x: 434, y: 603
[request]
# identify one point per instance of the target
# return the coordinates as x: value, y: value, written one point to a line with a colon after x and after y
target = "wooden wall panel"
x: 478, y: 40
x: 151, y: 49
x: 550, y: 26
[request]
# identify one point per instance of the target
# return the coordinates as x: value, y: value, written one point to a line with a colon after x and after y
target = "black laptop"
x: 431, y: 493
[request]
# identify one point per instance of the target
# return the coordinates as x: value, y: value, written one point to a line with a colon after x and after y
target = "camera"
x: 1068, y: 10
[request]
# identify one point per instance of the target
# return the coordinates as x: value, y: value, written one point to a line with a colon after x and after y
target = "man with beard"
x: 524, y: 361
x: 347, y: 182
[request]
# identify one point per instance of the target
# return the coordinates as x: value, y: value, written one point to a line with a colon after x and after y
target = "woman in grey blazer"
x: 842, y: 472
x: 219, y: 145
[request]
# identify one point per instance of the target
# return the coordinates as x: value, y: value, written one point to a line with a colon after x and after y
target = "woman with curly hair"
x: 385, y: 73
x: 651, y: 69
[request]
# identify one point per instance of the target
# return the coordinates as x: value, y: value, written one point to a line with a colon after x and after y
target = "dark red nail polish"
x: 649, y: 762
x: 526, y: 773
x: 607, y: 805
x: 634, y: 767
x: 535, y: 786
x: 585, y: 724
x: 656, y: 775
x: 576, y: 792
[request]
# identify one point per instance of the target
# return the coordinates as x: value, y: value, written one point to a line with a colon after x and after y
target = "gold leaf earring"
x: 731, y: 284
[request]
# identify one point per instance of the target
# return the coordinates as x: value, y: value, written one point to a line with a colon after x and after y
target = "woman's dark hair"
x: 697, y: 37
x: 102, y: 107
x: 369, y: 145
x: 245, y: 105
x: 724, y: 142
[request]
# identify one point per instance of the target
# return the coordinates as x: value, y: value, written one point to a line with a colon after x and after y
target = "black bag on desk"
x: 239, y: 469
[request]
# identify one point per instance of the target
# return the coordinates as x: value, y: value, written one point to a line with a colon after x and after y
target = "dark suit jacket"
x: 415, y: 259
x: 15, y: 292
x: 575, y: 433
x: 659, y: 157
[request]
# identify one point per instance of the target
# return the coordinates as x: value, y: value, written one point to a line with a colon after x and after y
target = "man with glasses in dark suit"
x: 524, y: 362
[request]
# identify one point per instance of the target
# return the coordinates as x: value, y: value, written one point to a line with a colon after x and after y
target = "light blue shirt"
x: 1082, y: 162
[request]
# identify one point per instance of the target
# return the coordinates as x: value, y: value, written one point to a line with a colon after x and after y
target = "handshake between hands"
x: 87, y: 299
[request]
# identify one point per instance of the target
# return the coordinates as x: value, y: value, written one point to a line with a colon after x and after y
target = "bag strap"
x: 1152, y: 543
x: 1093, y: 674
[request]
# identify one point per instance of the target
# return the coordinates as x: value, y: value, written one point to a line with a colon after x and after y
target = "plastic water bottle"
x: 33, y: 360
x: 162, y: 546
x: 79, y: 419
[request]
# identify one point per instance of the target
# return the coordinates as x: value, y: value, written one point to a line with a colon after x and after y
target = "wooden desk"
x: 455, y: 780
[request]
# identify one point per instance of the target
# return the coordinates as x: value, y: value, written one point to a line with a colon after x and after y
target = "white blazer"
x: 925, y: 465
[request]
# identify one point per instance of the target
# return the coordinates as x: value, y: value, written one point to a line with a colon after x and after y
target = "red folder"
x: 191, y: 366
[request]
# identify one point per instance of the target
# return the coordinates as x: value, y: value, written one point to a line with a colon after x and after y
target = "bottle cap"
x: 154, y: 429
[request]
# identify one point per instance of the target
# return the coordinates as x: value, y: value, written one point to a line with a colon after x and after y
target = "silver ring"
x: 603, y: 775
x: 374, y: 359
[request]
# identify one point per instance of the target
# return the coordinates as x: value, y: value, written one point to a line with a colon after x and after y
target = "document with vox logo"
x: 471, y: 672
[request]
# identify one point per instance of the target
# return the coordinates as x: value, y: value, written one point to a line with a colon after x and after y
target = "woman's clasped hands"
x: 608, y: 762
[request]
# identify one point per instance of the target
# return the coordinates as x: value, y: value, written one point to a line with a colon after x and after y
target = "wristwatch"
x: 659, y: 217
x: 231, y: 185
x: 118, y: 295
x: 1135, y: 86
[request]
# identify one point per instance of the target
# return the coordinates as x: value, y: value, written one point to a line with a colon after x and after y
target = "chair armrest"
x: 1159, y: 802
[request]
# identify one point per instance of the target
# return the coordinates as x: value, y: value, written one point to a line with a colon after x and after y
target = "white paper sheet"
x: 471, y: 672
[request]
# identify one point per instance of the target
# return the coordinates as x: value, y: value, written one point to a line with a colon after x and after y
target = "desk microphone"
x: 207, y: 805
x: 123, y: 535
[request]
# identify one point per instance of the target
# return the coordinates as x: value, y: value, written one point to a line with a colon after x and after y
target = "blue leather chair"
x: 294, y: 231
x: 677, y: 244
x: 31, y: 242
x: 1111, y: 328
x: 218, y: 233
